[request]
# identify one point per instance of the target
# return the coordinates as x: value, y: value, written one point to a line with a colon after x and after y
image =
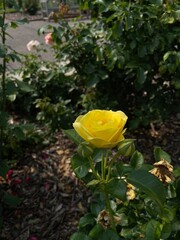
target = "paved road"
x: 21, y: 35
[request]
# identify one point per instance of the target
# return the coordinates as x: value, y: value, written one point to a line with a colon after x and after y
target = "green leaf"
x: 49, y: 77
x: 178, y: 188
x: 109, y: 234
x: 142, y: 51
x: 80, y: 236
x: 97, y: 229
x: 176, y: 82
x: 98, y: 155
x: 80, y: 166
x: 21, y: 21
x: 176, y: 172
x: 176, y: 14
x: 149, y: 184
x: 85, y: 150
x: 123, y: 218
x: 153, y: 230
x: 11, y: 88
x: 96, y: 207
x: 25, y: 87
x: 11, y: 200
x: 93, y: 182
x: 117, y: 188
x: 159, y: 154
x: 3, y: 51
x: 3, y: 119
x: 1, y: 21
x: 166, y: 231
x: 72, y: 134
x: 157, y: 2
x: 87, y: 219
x: 136, y: 160
x: 4, y: 168
x: 141, y: 76
x: 19, y: 133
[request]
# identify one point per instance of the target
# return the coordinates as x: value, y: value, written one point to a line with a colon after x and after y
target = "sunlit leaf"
x: 160, y: 154
x: 72, y: 134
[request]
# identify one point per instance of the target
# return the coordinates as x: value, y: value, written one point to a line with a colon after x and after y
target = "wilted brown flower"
x: 105, y: 220
x: 130, y: 192
x: 163, y: 170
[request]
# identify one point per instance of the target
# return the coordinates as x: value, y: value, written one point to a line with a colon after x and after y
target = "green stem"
x: 93, y: 169
x: 111, y: 164
x: 104, y: 164
x: 108, y: 205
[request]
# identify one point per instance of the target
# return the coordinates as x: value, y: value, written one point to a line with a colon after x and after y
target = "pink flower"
x: 17, y: 181
x: 9, y: 175
x: 27, y: 179
x: 48, y: 39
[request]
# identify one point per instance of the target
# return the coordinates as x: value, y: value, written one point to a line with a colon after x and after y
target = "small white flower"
x: 33, y: 45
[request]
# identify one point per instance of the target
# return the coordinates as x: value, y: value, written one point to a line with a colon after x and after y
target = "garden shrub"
x: 131, y: 199
x: 127, y: 56
x: 52, y: 96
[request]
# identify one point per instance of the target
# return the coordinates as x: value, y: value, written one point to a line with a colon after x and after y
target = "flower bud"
x: 126, y: 147
x: 85, y: 150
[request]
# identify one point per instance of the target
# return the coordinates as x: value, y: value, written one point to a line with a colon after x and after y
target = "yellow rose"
x: 101, y: 128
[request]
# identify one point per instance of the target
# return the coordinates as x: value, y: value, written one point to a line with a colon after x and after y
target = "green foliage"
x: 48, y: 92
x: 127, y: 56
x: 144, y: 207
x: 11, y: 134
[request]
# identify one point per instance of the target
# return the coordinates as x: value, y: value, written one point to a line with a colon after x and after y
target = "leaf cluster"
x: 127, y: 56
x: 152, y: 212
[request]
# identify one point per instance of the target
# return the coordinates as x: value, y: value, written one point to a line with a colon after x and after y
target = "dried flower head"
x: 130, y: 192
x: 105, y: 220
x: 163, y: 170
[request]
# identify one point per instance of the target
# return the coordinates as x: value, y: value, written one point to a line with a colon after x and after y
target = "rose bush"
x: 130, y: 198
x: 101, y: 128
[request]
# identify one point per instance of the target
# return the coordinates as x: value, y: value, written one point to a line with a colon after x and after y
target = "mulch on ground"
x: 53, y: 200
